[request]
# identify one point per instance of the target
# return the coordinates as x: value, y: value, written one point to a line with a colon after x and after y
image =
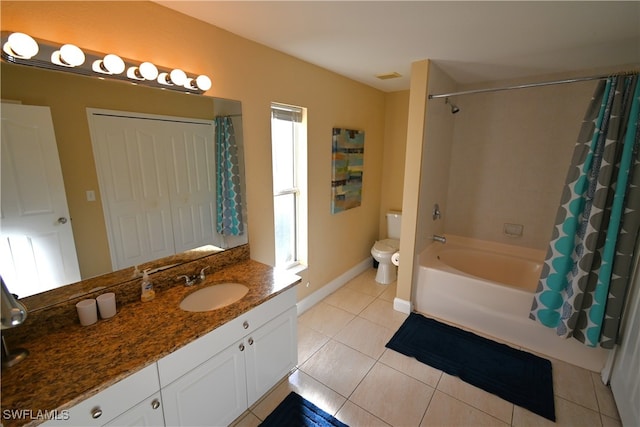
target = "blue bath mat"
x: 519, y: 377
x: 295, y: 411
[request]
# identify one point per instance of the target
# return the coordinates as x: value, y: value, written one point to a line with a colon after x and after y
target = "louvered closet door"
x: 191, y: 165
x: 130, y: 160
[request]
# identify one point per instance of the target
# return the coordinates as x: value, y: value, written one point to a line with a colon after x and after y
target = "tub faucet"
x: 440, y: 239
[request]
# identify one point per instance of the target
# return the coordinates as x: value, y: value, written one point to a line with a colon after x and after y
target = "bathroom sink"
x: 213, y: 297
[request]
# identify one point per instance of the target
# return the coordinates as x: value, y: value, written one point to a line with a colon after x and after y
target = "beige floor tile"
x: 392, y: 396
x: 349, y: 300
x: 606, y: 404
x: 353, y: 415
x: 396, y: 390
x: 476, y: 397
x: 444, y: 410
x: 309, y: 341
x: 247, y: 420
x: 366, y: 284
x: 325, y: 318
x: 312, y: 390
x: 574, y: 384
x: 382, y: 313
x: 610, y: 422
x: 410, y: 366
x: 365, y: 336
x: 568, y: 414
x: 338, y: 366
x: 389, y: 293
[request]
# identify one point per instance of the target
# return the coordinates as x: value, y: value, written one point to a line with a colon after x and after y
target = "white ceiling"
x: 473, y: 41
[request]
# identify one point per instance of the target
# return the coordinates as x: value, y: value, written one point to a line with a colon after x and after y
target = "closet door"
x: 130, y: 160
x: 192, y: 189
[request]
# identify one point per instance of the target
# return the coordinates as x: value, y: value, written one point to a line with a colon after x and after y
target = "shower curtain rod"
x: 528, y: 85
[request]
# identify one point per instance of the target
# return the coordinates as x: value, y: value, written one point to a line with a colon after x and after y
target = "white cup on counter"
x: 87, y: 311
x: 107, y: 305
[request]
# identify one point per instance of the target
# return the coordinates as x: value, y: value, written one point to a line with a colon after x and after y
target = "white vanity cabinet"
x: 130, y: 394
x: 214, y: 379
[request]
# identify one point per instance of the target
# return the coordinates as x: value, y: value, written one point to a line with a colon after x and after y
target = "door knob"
x: 62, y: 220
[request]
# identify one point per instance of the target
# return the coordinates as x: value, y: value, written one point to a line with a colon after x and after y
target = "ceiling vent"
x: 387, y: 76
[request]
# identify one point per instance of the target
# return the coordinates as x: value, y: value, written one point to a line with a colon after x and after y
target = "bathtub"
x: 488, y: 287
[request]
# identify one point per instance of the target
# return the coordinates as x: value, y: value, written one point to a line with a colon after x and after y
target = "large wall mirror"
x: 69, y: 97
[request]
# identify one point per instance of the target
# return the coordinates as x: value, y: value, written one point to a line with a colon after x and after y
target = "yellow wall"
x: 395, y: 143
x: 255, y: 75
x: 417, y: 114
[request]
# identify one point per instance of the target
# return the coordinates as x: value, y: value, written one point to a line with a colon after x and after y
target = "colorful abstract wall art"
x: 347, y: 159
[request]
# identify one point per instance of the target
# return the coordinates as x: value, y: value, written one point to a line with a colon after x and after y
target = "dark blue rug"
x: 295, y: 411
x: 519, y: 377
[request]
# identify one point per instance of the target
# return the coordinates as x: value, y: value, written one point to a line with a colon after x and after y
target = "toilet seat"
x: 387, y: 246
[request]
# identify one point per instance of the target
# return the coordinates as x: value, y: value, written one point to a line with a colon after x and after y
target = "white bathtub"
x: 488, y: 287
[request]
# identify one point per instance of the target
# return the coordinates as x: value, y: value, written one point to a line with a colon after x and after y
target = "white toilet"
x: 382, y: 250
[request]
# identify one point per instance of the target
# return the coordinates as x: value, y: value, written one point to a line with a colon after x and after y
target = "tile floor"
x: 345, y: 369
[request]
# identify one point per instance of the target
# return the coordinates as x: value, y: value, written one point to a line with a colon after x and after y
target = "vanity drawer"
x: 112, y: 402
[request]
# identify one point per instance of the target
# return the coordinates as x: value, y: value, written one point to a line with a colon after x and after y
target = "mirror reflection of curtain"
x: 228, y: 191
x: 586, y: 275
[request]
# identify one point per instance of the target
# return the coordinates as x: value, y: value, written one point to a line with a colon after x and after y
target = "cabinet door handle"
x: 155, y: 403
x: 96, y: 412
x: 250, y: 341
x: 245, y: 325
x: 241, y: 346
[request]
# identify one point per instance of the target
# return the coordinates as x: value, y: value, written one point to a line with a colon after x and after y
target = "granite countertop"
x: 72, y: 364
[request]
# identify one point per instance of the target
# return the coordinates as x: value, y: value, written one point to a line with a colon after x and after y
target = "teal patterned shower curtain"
x: 585, y: 278
x: 228, y: 194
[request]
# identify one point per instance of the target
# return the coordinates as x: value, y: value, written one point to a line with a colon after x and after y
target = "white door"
x: 130, y: 162
x: 191, y: 164
x: 213, y: 394
x: 157, y: 179
x: 37, y: 250
x: 625, y: 377
x: 271, y: 353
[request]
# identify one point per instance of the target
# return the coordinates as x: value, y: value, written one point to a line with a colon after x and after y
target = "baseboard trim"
x: 401, y: 305
x: 333, y: 286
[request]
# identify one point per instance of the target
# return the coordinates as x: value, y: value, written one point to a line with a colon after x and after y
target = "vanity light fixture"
x: 20, y: 45
x: 22, y: 49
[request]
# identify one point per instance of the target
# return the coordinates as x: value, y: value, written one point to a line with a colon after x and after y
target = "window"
x: 288, y: 146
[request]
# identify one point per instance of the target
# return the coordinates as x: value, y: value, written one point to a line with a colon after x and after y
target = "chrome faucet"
x: 195, y: 278
x: 440, y: 239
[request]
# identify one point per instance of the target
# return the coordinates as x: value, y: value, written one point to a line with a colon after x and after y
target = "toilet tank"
x: 394, y: 219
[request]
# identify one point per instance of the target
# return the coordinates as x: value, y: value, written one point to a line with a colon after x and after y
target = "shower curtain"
x: 585, y: 278
x: 228, y: 195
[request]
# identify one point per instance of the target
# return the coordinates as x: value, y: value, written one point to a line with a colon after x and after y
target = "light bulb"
x: 178, y: 77
x: 69, y: 56
x: 190, y: 84
x: 163, y: 79
x: 148, y: 71
x: 21, y: 45
x: 203, y: 82
x: 113, y: 64
x: 110, y: 64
